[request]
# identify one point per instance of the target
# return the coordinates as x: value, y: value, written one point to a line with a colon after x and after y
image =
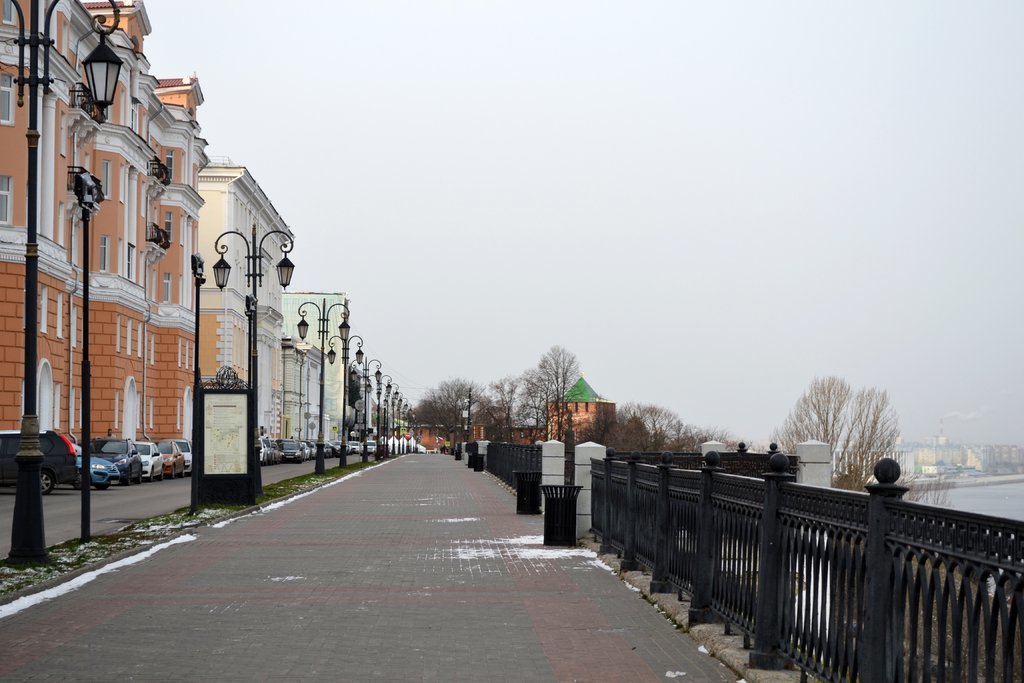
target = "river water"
x: 1001, y: 500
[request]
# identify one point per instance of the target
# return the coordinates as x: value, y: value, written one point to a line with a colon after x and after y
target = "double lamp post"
x: 102, y: 69
x: 323, y: 332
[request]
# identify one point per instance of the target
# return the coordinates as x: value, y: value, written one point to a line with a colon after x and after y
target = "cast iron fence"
x: 505, y: 458
x: 848, y: 586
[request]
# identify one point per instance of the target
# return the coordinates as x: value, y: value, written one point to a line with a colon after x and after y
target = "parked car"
x: 58, y: 459
x: 121, y: 452
x: 311, y: 449
x: 152, y: 460
x: 290, y: 449
x: 185, y: 446
x: 269, y: 453
x: 172, y: 458
x: 104, y: 473
x: 355, y: 447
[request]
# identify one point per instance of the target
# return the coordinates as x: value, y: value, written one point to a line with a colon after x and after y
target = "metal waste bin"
x: 479, y: 459
x: 560, y: 514
x: 527, y: 493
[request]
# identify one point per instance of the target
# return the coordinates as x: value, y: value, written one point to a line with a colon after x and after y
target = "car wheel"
x: 77, y: 483
x: 47, y: 481
x: 138, y: 479
x: 126, y: 480
x: 101, y: 487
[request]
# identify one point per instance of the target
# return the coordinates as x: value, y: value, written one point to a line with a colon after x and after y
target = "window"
x: 122, y: 178
x: 104, y: 253
x: 6, y: 99
x: 8, y: 12
x: 128, y: 336
x: 60, y: 316
x: 59, y: 224
x: 56, y: 405
x: 169, y: 225
x: 117, y: 329
x: 131, y: 262
x: 74, y: 326
x: 138, y: 343
x: 167, y: 288
x: 44, y: 306
x: 63, y: 135
x: 6, y: 210
x: 105, y: 176
x: 169, y: 160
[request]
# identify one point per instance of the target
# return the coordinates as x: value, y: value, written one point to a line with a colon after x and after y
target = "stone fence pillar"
x: 552, y: 464
x: 584, y: 453
x: 815, y: 463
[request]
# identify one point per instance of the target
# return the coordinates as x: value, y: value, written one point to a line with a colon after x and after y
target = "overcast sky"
x: 708, y: 203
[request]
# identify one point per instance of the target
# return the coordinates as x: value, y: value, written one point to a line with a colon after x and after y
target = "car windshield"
x: 109, y: 446
x: 289, y: 444
x: 184, y: 446
x: 144, y: 449
x: 165, y: 447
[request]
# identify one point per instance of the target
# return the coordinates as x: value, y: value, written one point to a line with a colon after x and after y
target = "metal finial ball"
x: 741, y: 447
x: 772, y: 447
x: 635, y: 455
x: 609, y: 452
x: 666, y: 458
x: 713, y: 459
x: 887, y: 471
x: 778, y: 462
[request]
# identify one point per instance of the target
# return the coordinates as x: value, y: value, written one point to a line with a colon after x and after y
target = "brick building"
x: 147, y: 153
x: 583, y: 409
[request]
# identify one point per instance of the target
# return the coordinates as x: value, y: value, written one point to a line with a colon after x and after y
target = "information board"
x: 225, y: 432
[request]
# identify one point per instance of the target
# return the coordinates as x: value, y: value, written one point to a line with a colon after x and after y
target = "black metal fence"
x: 505, y: 458
x: 847, y: 586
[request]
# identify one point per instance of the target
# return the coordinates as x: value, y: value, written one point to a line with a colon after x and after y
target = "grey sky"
x: 708, y: 203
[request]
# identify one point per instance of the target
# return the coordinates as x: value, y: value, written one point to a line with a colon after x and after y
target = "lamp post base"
x: 28, y: 540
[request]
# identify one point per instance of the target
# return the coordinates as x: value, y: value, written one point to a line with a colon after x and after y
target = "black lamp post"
x: 323, y: 319
x: 198, y: 280
x: 254, y: 277
x: 344, y: 330
x: 28, y: 544
x: 396, y: 402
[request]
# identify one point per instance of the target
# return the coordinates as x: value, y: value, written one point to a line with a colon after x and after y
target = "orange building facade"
x: 147, y: 154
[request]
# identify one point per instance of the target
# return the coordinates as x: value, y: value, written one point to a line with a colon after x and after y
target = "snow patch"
x: 674, y: 674
x: 453, y: 520
x: 287, y: 578
x: 703, y: 650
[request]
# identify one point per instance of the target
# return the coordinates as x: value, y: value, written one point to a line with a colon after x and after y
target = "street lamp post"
x: 387, y: 424
x: 89, y: 192
x: 323, y: 318
x: 345, y: 330
x: 254, y: 277
x: 198, y: 453
x: 102, y: 67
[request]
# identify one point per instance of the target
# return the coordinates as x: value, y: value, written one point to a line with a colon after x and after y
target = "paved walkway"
x: 418, y: 570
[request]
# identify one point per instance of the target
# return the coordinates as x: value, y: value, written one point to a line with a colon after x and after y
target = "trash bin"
x: 527, y: 493
x: 560, y: 514
x: 478, y: 462
x: 458, y: 452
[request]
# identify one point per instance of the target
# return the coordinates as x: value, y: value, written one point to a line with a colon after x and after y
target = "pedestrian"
x: 110, y: 432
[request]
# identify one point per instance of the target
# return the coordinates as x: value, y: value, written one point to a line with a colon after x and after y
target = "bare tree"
x: 442, y: 406
x: 505, y: 398
x: 544, y: 387
x: 860, y: 427
x: 649, y: 427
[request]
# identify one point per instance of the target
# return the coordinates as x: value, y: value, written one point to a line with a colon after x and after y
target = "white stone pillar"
x: 482, y: 450
x: 585, y: 452
x: 709, y: 446
x: 815, y: 463
x: 552, y: 465
x: 47, y: 158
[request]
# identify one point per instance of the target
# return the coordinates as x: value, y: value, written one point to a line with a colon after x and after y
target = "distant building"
x: 583, y: 409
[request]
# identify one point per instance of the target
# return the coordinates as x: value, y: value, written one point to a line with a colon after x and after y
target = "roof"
x: 581, y: 392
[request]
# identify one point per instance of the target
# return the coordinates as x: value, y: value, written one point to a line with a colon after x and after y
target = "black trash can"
x: 458, y: 452
x: 478, y: 462
x: 560, y: 514
x: 527, y: 493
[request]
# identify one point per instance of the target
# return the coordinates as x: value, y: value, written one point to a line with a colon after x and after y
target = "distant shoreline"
x: 967, y: 482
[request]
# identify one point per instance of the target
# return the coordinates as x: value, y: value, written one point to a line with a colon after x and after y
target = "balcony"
x: 158, y: 236
x: 81, y: 98
x: 159, y: 171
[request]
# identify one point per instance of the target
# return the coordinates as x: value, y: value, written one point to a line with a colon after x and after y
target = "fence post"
x: 659, y: 573
x: 767, y: 612
x: 876, y: 653
x: 552, y: 464
x: 584, y: 453
x: 815, y: 463
x: 629, y: 563
x: 606, y: 523
x: 704, y: 563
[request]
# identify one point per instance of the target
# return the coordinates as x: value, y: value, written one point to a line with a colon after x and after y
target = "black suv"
x: 58, y: 459
x: 123, y: 454
x: 290, y: 449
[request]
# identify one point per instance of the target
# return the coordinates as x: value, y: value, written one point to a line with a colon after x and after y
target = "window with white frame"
x: 71, y: 408
x: 152, y: 349
x: 44, y: 308
x: 104, y: 253
x: 8, y: 15
x: 117, y: 342
x: 128, y: 336
x: 105, y: 176
x: 60, y: 316
x: 56, y: 405
x: 167, y: 288
x: 74, y: 326
x: 169, y: 160
x: 63, y: 135
x: 6, y: 202
x: 131, y: 262
x: 117, y: 407
x: 6, y: 99
x: 138, y: 343
x: 58, y: 224
x: 122, y: 178
x: 169, y: 225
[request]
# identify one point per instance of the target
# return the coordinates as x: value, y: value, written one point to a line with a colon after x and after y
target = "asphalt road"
x: 119, y: 505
